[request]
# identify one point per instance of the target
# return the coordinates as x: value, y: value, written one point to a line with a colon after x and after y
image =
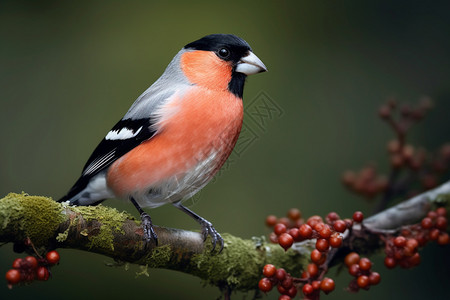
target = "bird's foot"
x: 208, y: 229
x: 147, y: 226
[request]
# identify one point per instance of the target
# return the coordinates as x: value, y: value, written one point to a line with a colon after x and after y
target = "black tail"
x: 80, y: 185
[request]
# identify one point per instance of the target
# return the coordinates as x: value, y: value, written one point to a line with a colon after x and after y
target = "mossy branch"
x: 106, y: 231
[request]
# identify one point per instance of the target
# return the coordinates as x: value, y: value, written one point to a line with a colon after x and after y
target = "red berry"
x: 285, y: 221
x: 405, y: 232
x: 354, y: 270
x: 287, y: 282
x: 279, y: 229
x: 42, y: 273
x: 443, y: 239
x: 332, y: 216
x: 271, y: 220
x: 432, y: 214
x: 306, y: 231
x: 412, y: 244
x: 322, y: 245
x: 280, y: 274
x: 32, y: 261
x: 325, y: 232
x: 327, y: 285
x: 294, y: 214
x: 340, y: 226
x: 363, y: 281
x: 384, y: 112
x: 397, y: 160
x: 17, y: 263
x: 316, y: 256
x: 265, y: 285
x: 292, y: 292
x: 295, y: 233
x: 441, y: 223
x: 282, y: 290
x: 441, y: 211
x: 52, y: 257
x: 273, y: 237
x: 374, y: 278
x: 313, y: 270
x: 315, y: 285
x: 365, y: 264
x: 285, y: 240
x: 313, y: 220
x: 284, y: 297
x: 299, y: 223
x: 393, y: 146
x: 319, y: 226
x: 307, y: 289
x: 414, y: 260
x: 389, y: 262
x: 400, y: 253
x: 348, y: 222
x: 351, y: 259
x: 13, y: 276
x: 434, y: 234
x: 400, y: 241
x: 358, y: 216
x: 269, y: 270
x: 335, y: 241
x: 421, y: 239
x: 426, y: 223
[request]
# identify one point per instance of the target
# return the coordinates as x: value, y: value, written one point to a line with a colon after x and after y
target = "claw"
x: 208, y: 229
x: 147, y: 226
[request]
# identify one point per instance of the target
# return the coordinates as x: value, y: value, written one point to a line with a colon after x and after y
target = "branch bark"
x: 106, y: 231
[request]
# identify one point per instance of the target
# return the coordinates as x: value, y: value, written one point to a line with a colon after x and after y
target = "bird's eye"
x: 223, y: 52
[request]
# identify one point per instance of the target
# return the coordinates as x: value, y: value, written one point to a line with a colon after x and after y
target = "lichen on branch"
x: 107, y: 231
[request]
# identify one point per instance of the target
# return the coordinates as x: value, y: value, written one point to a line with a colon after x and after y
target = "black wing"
x: 122, y: 138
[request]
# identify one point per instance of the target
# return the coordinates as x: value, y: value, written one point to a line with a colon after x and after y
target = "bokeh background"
x: 70, y: 69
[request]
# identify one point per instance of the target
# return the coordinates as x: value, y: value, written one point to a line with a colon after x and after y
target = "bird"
x: 176, y: 135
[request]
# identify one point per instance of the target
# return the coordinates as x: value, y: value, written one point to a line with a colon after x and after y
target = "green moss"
x: 37, y: 216
x: 161, y: 255
x: 143, y: 272
x: 110, y: 222
x: 239, y: 266
x: 62, y: 236
x: 442, y: 200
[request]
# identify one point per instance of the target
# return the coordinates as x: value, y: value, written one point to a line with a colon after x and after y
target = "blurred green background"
x: 70, y: 69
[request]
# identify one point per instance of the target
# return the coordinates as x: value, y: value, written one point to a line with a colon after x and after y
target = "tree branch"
x: 106, y: 231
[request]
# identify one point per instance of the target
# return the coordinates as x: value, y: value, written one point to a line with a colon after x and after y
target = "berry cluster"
x: 290, y: 229
x: 402, y: 250
x: 401, y: 118
x: 279, y: 278
x: 408, y: 163
x: 312, y: 290
x: 286, y: 231
x: 30, y: 268
x: 403, y: 155
x: 366, y: 182
x: 360, y: 268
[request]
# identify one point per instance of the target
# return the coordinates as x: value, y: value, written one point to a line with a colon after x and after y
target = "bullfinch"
x: 176, y: 135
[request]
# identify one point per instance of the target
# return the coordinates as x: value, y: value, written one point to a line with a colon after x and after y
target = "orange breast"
x: 204, y: 121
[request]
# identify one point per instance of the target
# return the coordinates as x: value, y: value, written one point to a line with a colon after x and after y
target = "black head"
x: 226, y: 46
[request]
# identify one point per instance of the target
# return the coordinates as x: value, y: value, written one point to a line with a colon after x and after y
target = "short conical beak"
x: 250, y: 64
